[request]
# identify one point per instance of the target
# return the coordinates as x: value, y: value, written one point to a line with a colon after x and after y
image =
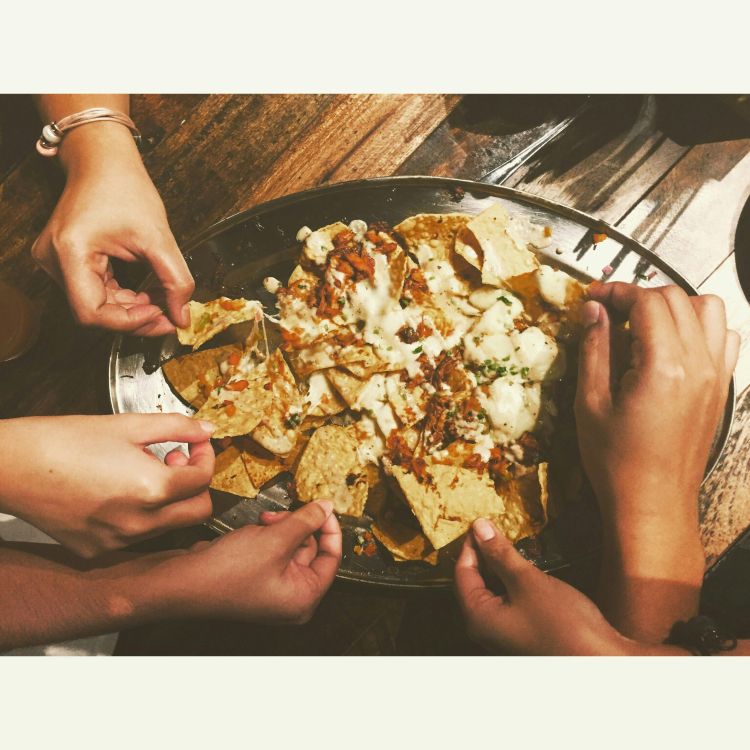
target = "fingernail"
x: 185, y: 315
x: 590, y: 314
x: 483, y: 530
x: 208, y: 427
x: 326, y: 505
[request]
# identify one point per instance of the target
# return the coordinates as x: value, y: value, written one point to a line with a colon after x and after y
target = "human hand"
x: 648, y: 436
x: 276, y: 573
x: 538, y: 614
x: 90, y: 482
x: 111, y: 209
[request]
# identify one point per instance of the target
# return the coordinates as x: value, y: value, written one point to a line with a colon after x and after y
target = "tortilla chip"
x: 323, y: 355
x: 231, y: 476
x: 206, y: 320
x: 192, y: 376
x: 408, y: 403
x: 526, y: 501
x: 319, y: 244
x: 302, y: 274
x: 280, y: 419
x: 398, y: 267
x: 496, y: 246
x: 330, y: 470
x: 403, y: 542
x: 456, y: 497
x: 348, y: 386
x: 394, y: 526
x: 261, y: 465
x: 363, y: 371
x: 248, y: 405
x: 322, y: 399
x: 438, y: 231
x: 446, y: 507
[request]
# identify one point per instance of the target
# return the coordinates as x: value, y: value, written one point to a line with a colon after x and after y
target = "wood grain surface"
x: 211, y: 156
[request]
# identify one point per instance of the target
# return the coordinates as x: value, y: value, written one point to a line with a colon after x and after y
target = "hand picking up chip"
x: 417, y: 382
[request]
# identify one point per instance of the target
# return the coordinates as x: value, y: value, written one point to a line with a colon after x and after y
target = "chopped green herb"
x: 505, y: 359
x: 293, y: 420
x: 404, y: 302
x: 482, y: 414
x: 342, y: 301
x: 418, y: 350
x: 505, y: 300
x: 524, y: 372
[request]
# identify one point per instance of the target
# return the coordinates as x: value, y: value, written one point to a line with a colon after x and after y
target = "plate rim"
x: 469, y: 186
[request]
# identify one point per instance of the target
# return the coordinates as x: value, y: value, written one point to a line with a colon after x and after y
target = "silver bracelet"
x: 53, y: 132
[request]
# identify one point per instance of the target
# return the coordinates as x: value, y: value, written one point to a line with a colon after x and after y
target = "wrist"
x: 97, y: 145
x: 149, y: 588
x: 650, y: 549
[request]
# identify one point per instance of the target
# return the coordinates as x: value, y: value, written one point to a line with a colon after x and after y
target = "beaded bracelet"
x: 701, y: 636
x: 52, y: 134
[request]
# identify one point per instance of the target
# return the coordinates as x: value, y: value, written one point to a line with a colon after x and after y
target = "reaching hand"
x: 90, y: 483
x: 645, y: 438
x: 649, y: 435
x: 538, y: 614
x: 111, y: 209
x: 276, y: 573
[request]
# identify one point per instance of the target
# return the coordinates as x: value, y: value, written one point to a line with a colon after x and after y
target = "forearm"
x: 651, y: 576
x: 43, y: 600
x: 91, y: 145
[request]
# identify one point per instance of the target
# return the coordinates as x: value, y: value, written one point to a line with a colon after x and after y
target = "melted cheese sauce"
x: 512, y: 408
x: 553, y: 285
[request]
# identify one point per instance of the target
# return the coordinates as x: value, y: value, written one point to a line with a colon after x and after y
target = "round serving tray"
x: 233, y: 256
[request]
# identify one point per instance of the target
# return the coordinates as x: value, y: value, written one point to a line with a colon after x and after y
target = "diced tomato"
x: 237, y: 385
x: 230, y: 408
x: 234, y: 358
x: 232, y: 304
x: 423, y: 330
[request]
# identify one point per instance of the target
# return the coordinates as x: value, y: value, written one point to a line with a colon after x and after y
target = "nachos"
x: 416, y: 381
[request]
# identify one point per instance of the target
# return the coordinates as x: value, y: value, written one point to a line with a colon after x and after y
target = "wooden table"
x: 633, y: 162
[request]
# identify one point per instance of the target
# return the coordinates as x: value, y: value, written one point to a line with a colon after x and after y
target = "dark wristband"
x: 701, y: 636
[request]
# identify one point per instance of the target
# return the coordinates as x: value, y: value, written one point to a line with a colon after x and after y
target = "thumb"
x: 172, y: 271
x: 298, y: 526
x: 501, y: 557
x: 593, y: 392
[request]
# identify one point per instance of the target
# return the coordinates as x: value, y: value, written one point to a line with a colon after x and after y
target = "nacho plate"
x: 234, y: 256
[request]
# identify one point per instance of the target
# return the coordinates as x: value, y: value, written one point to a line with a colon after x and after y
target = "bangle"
x: 52, y: 133
x: 701, y: 636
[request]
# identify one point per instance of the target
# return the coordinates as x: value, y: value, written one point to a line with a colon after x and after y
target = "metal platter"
x: 234, y: 256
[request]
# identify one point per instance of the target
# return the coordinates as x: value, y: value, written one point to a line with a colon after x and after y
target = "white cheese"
x: 553, y: 285
x: 358, y: 227
x: 271, y: 284
x: 303, y: 234
x: 370, y: 443
x: 485, y: 297
x: 539, y: 353
x: 512, y: 408
x: 524, y: 233
x: 373, y: 398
